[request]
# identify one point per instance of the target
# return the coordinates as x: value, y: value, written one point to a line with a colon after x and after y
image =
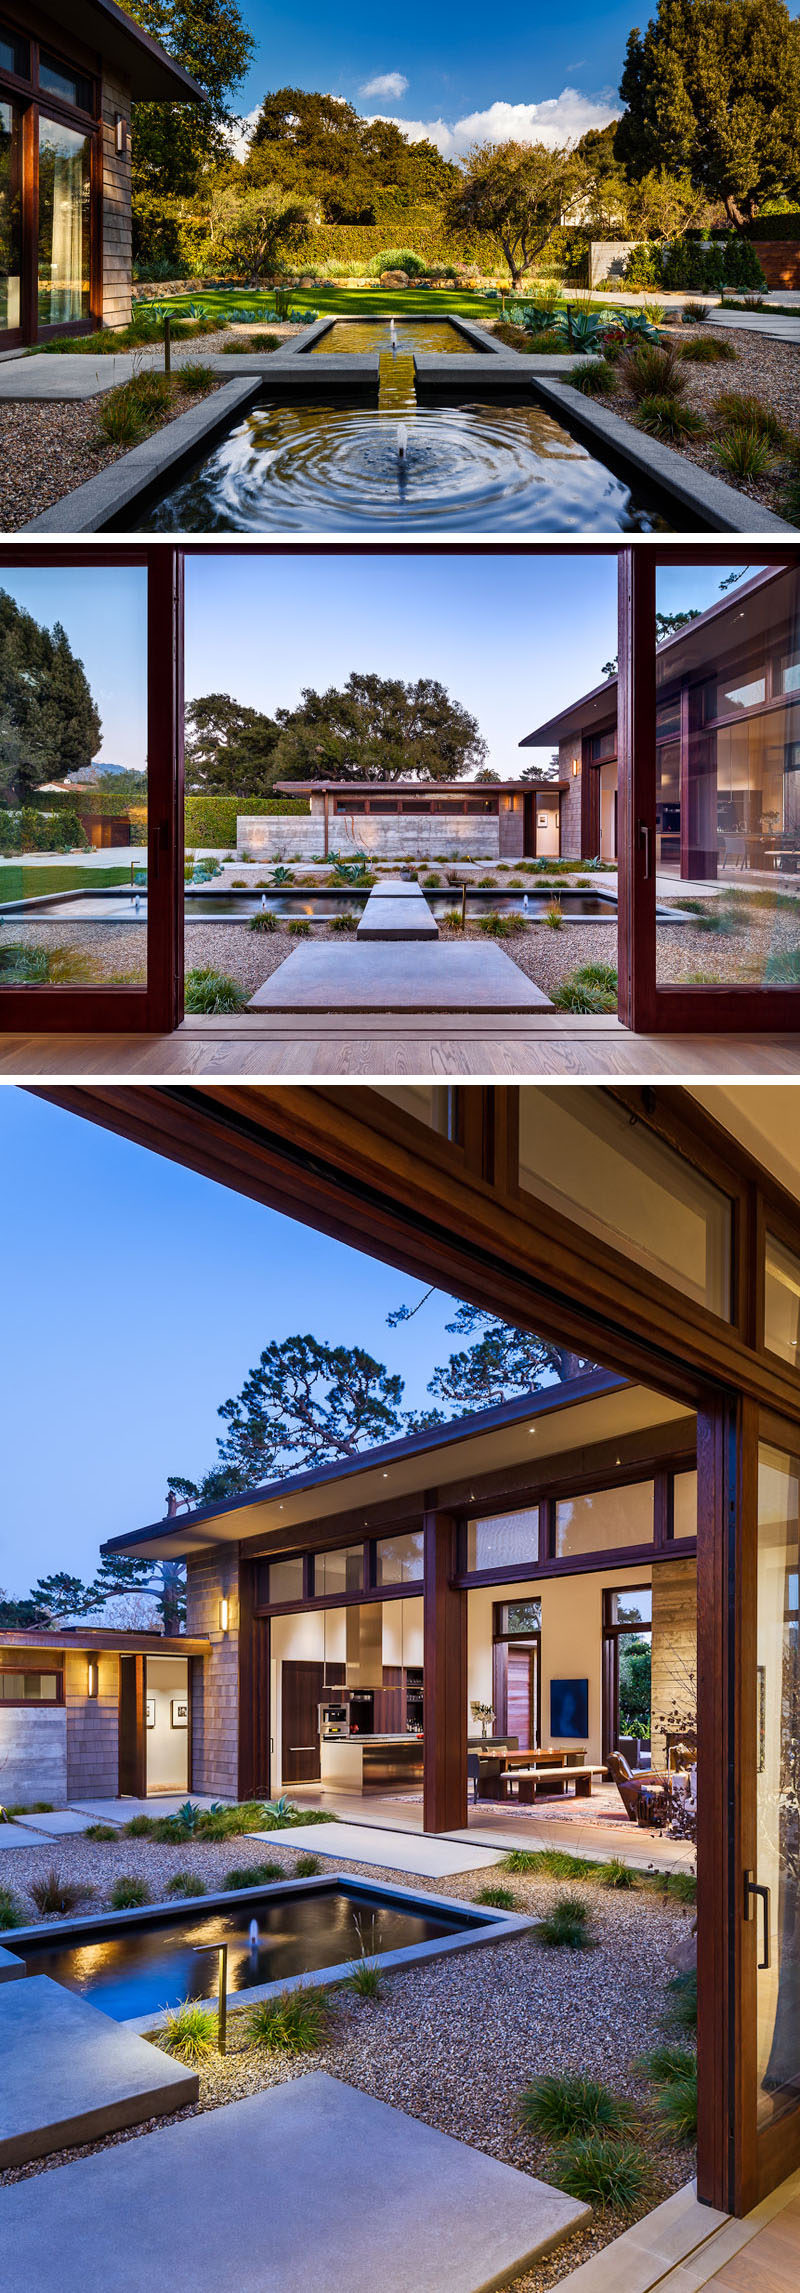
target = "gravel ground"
x: 683, y: 951
x: 47, y: 448
x: 765, y: 368
x: 454, y: 2041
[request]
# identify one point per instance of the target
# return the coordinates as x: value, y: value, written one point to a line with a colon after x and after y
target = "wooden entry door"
x: 132, y: 1750
x: 521, y: 1696
x: 302, y: 1690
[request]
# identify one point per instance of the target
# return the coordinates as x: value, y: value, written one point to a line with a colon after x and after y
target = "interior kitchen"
x: 348, y: 1697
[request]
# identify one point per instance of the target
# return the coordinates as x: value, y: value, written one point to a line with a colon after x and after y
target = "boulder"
x: 394, y: 278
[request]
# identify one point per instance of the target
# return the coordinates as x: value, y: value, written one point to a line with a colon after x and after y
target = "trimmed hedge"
x: 212, y: 819
x: 775, y: 226
x: 26, y: 830
x: 730, y: 262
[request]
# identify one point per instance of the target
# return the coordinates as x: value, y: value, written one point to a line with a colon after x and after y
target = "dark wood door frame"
x: 132, y: 1742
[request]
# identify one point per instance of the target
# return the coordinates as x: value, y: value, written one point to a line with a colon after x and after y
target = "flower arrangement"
x: 484, y: 1713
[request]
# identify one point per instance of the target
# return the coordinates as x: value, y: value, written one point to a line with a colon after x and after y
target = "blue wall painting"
x: 569, y: 1708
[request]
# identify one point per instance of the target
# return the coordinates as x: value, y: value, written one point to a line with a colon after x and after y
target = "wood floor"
x: 260, y: 1047
x: 769, y: 2264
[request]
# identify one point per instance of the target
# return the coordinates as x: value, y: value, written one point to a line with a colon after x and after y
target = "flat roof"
x: 150, y: 71
x: 597, y: 1407
x: 414, y: 787
x: 685, y: 649
x: 78, y: 1636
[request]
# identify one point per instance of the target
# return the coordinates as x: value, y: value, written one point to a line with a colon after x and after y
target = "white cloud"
x: 386, y: 84
x: 558, y: 119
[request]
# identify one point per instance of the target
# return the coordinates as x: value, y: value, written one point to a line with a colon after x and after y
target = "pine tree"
x: 712, y: 87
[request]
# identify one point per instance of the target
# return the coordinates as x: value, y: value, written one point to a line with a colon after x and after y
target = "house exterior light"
x: 92, y: 1676
x: 224, y: 1613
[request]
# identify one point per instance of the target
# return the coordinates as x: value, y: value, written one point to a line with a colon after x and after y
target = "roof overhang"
x: 558, y: 1421
x: 150, y: 72
x: 75, y: 1637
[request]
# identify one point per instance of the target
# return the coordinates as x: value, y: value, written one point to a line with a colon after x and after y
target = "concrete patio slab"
x: 206, y: 2206
x: 160, y: 1803
x: 423, y: 1853
x: 397, y: 920
x: 398, y: 978
x: 56, y: 1825
x: 11, y: 1968
x: 395, y: 888
x: 70, y: 2074
x: 13, y: 1835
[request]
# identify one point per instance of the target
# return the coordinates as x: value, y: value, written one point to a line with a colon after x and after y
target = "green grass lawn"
x: 20, y: 883
x: 366, y: 302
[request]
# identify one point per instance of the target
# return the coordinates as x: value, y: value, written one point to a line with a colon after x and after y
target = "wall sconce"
x: 224, y: 1611
x: 92, y: 1676
x: 120, y: 134
x: 575, y: 767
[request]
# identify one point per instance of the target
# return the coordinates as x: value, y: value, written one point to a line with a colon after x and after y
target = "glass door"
x: 709, y: 726
x: 771, y: 1884
x: 10, y: 224
x: 90, y: 796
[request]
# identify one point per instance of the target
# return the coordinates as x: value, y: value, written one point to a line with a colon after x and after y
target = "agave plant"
x: 282, y: 876
x: 187, y: 1815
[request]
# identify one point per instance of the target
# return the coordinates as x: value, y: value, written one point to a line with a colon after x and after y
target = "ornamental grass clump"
x: 682, y: 2000
x: 652, y: 370
x: 565, y: 1926
x: 11, y: 1911
x: 573, y: 2104
x: 128, y: 1893
x: 196, y: 379
x: 677, y: 2105
x: 547, y: 1863
x: 595, y: 378
x: 52, y: 1893
x: 611, y: 2175
x: 663, y: 416
x: 100, y: 1831
x: 186, y: 1883
x: 667, y: 2063
x: 212, y: 991
x: 307, y: 1866
x: 496, y: 1898
x: 707, y: 350
x: 296, y: 2022
x: 497, y: 926
x: 190, y: 2032
x: 616, y: 1874
x: 743, y: 452
x: 265, y: 920
x: 244, y: 1875
x: 742, y: 409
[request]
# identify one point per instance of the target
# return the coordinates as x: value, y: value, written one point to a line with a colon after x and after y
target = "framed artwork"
x: 179, y: 1711
x: 150, y: 1711
x: 569, y: 1708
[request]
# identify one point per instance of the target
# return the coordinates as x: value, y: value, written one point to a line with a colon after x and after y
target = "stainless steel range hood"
x: 364, y: 1646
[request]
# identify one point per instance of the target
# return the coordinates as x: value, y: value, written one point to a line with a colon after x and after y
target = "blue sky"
x: 136, y: 1297
x: 513, y: 637
x: 452, y: 71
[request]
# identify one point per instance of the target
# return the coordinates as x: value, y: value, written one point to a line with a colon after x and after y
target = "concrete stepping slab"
x: 395, y: 888
x: 59, y: 1823
x: 429, y: 1857
x: 394, y: 977
x: 270, y: 2195
x: 397, y: 920
x: 11, y: 1968
x: 13, y: 1835
x: 70, y: 2074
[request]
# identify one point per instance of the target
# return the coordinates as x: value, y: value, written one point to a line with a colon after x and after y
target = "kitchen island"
x: 370, y: 1763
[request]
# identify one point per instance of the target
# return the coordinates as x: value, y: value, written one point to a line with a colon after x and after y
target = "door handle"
x: 302, y: 1747
x: 644, y: 845
x: 751, y: 1889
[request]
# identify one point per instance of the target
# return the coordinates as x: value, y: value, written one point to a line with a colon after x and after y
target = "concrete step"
x: 399, y: 977
x: 70, y: 2075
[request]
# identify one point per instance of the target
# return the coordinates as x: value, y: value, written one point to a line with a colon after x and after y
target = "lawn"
x: 368, y: 302
x: 20, y: 883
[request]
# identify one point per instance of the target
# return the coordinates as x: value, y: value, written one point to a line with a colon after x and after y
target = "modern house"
x: 571, y: 1520
x: 399, y: 819
x: 727, y: 742
x: 68, y: 77
x: 90, y: 1713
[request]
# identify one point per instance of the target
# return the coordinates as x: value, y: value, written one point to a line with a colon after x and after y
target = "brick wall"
x: 674, y: 1651
x: 570, y: 801
x: 388, y: 837
x: 215, y: 1678
x: 92, y: 1727
x: 116, y: 208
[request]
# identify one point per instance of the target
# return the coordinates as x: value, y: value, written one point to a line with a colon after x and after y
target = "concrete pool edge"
x: 717, y: 506
x: 487, y: 1925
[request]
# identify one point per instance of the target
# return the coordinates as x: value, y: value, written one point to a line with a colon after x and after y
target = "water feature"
x: 356, y: 335
x: 140, y: 1963
x: 318, y: 904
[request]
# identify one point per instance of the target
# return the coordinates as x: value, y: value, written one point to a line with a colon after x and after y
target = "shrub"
x: 496, y: 1898
x: 52, y: 1893
x: 707, y: 350
x: 11, y: 1911
x: 398, y: 259
x: 140, y: 1827
x: 695, y: 314
x: 243, y: 1875
x: 617, y: 1874
x: 652, y: 370
x: 128, y: 1893
x: 594, y: 378
x: 190, y: 2032
x: 209, y: 990
x: 296, y: 2022
x: 343, y: 923
x: 299, y: 927
x: 196, y: 379
x: 101, y: 1831
x: 573, y: 2104
x: 601, y: 2172
x: 677, y: 2105
x: 186, y: 1883
x: 743, y: 453
x: 665, y: 2064
x: 307, y: 1866
x: 564, y: 1927
x: 497, y: 926
x: 663, y: 416
x: 211, y: 820
x: 743, y: 410
x: 682, y: 2000
x: 264, y: 921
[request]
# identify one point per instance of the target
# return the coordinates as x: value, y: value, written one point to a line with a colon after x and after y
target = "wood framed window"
x: 51, y: 185
x: 25, y: 1684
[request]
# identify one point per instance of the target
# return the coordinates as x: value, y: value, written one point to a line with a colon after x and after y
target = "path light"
x: 222, y: 1978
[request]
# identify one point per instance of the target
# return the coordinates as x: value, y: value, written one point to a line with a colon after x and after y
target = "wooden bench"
x: 526, y: 1780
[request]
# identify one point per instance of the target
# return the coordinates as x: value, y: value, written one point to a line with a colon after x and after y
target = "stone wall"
x: 33, y: 1752
x: 215, y: 1678
x: 570, y: 800
x: 387, y: 836
x: 116, y: 207
x: 674, y: 1673
x: 92, y: 1727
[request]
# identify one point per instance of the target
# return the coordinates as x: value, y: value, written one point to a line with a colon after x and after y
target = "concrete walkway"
x: 70, y: 2074
x: 306, y: 2185
x: 774, y: 323
x: 424, y: 1853
x: 399, y: 978
x: 396, y: 910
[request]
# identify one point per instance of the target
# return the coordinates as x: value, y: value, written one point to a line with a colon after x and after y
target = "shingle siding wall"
x: 215, y: 1678
x: 116, y: 208
x: 511, y: 827
x: 92, y: 1728
x: 570, y: 801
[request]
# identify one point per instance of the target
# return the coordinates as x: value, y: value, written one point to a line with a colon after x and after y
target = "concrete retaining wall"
x: 33, y: 1753
x: 607, y: 259
x: 388, y: 836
